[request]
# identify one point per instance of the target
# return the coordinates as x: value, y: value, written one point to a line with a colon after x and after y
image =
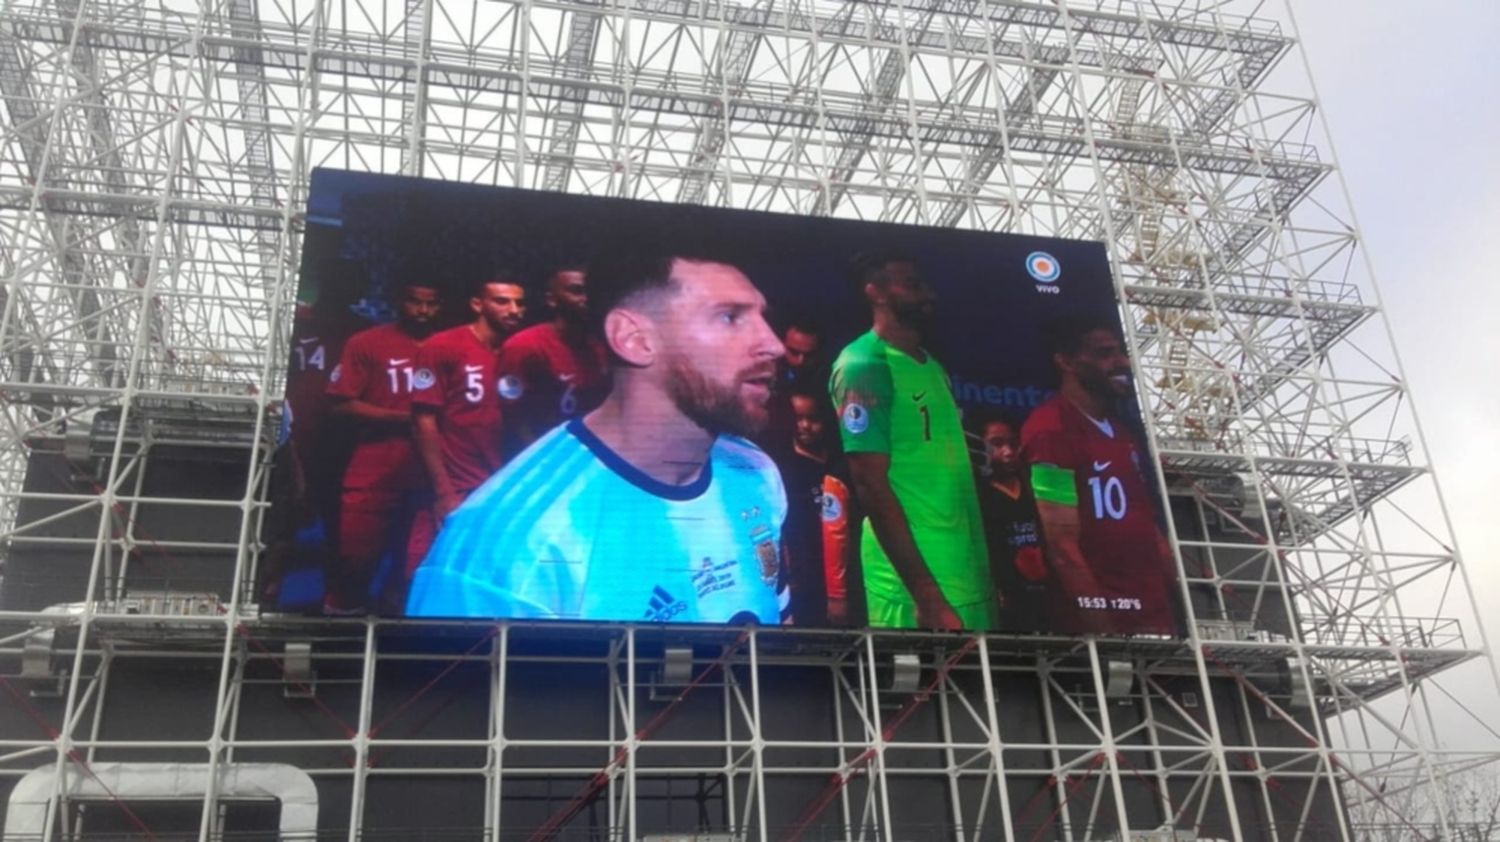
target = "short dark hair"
x: 566, y: 266
x: 803, y: 324
x: 801, y: 389
x: 499, y: 276
x: 401, y: 288
x: 866, y: 264
x: 618, y: 277
x: 976, y: 419
x: 1064, y: 334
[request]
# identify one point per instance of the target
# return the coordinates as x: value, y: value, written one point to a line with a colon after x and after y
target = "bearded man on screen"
x: 654, y: 507
x: 1112, y: 565
x: 455, y: 411
x: 922, y: 550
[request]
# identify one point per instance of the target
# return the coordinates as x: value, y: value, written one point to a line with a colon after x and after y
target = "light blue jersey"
x: 570, y: 530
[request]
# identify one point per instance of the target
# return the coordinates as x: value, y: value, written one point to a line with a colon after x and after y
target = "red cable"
x: 1177, y: 809
x: 376, y: 755
x: 1280, y: 554
x: 151, y: 541
x: 494, y: 630
x: 1273, y: 786
x: 77, y: 758
x: 1073, y: 787
x: 243, y: 631
x: 1332, y: 758
x: 280, y: 664
x: 1250, y: 764
x: 575, y: 805
x: 926, y: 693
x: 840, y: 779
x: 1036, y: 798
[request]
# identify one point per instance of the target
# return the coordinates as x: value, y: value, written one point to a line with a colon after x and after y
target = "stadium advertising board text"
x: 511, y: 404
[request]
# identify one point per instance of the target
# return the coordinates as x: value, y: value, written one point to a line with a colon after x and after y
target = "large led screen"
x: 513, y: 404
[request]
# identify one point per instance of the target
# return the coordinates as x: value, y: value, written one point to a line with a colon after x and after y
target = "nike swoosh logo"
x: 566, y: 378
x: 401, y: 361
x: 470, y: 369
x: 1099, y: 466
x: 918, y: 396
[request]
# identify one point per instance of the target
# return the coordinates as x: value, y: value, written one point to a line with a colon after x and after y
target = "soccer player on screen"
x: 922, y: 552
x: 1112, y: 565
x: 654, y: 506
x: 455, y: 410
x: 315, y: 352
x: 555, y: 370
x: 372, y: 388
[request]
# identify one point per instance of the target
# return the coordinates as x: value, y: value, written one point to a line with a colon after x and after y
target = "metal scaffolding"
x: 154, y: 165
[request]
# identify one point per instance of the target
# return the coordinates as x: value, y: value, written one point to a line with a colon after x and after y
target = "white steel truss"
x: 154, y: 164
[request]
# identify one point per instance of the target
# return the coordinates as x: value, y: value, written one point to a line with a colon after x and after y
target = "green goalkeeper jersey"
x: 890, y: 403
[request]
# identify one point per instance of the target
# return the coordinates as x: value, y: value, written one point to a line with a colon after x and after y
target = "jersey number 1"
x: 926, y: 423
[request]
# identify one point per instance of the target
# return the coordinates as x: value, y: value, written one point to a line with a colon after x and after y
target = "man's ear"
x: 632, y: 336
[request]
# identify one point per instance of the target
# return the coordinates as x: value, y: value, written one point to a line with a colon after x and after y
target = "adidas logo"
x: 663, y: 607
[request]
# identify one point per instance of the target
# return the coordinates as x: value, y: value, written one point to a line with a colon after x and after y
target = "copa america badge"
x: 856, y: 418
x: 510, y: 387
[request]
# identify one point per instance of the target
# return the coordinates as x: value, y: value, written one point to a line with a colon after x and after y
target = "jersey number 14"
x: 307, y: 360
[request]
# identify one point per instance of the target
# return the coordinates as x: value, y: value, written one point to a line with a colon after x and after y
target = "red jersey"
x: 835, y: 502
x: 313, y: 360
x: 1117, y: 512
x: 544, y: 380
x: 456, y: 377
x: 378, y: 367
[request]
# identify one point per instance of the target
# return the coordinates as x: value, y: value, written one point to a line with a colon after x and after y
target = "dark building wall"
x: 40, y: 574
x: 418, y: 694
x: 1254, y: 594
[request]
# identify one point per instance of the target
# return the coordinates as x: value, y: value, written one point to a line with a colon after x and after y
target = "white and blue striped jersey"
x: 570, y: 530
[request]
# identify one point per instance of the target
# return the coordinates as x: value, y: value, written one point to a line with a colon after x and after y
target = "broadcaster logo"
x: 1043, y: 267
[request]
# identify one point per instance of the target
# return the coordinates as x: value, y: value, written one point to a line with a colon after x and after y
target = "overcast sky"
x: 1411, y: 93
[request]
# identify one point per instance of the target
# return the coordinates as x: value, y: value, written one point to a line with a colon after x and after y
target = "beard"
x: 717, y: 407
x: 418, y: 329
x: 920, y: 316
x: 504, y: 326
x: 1103, y: 386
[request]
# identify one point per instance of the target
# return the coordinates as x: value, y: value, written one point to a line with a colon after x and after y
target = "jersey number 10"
x: 1109, y: 497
